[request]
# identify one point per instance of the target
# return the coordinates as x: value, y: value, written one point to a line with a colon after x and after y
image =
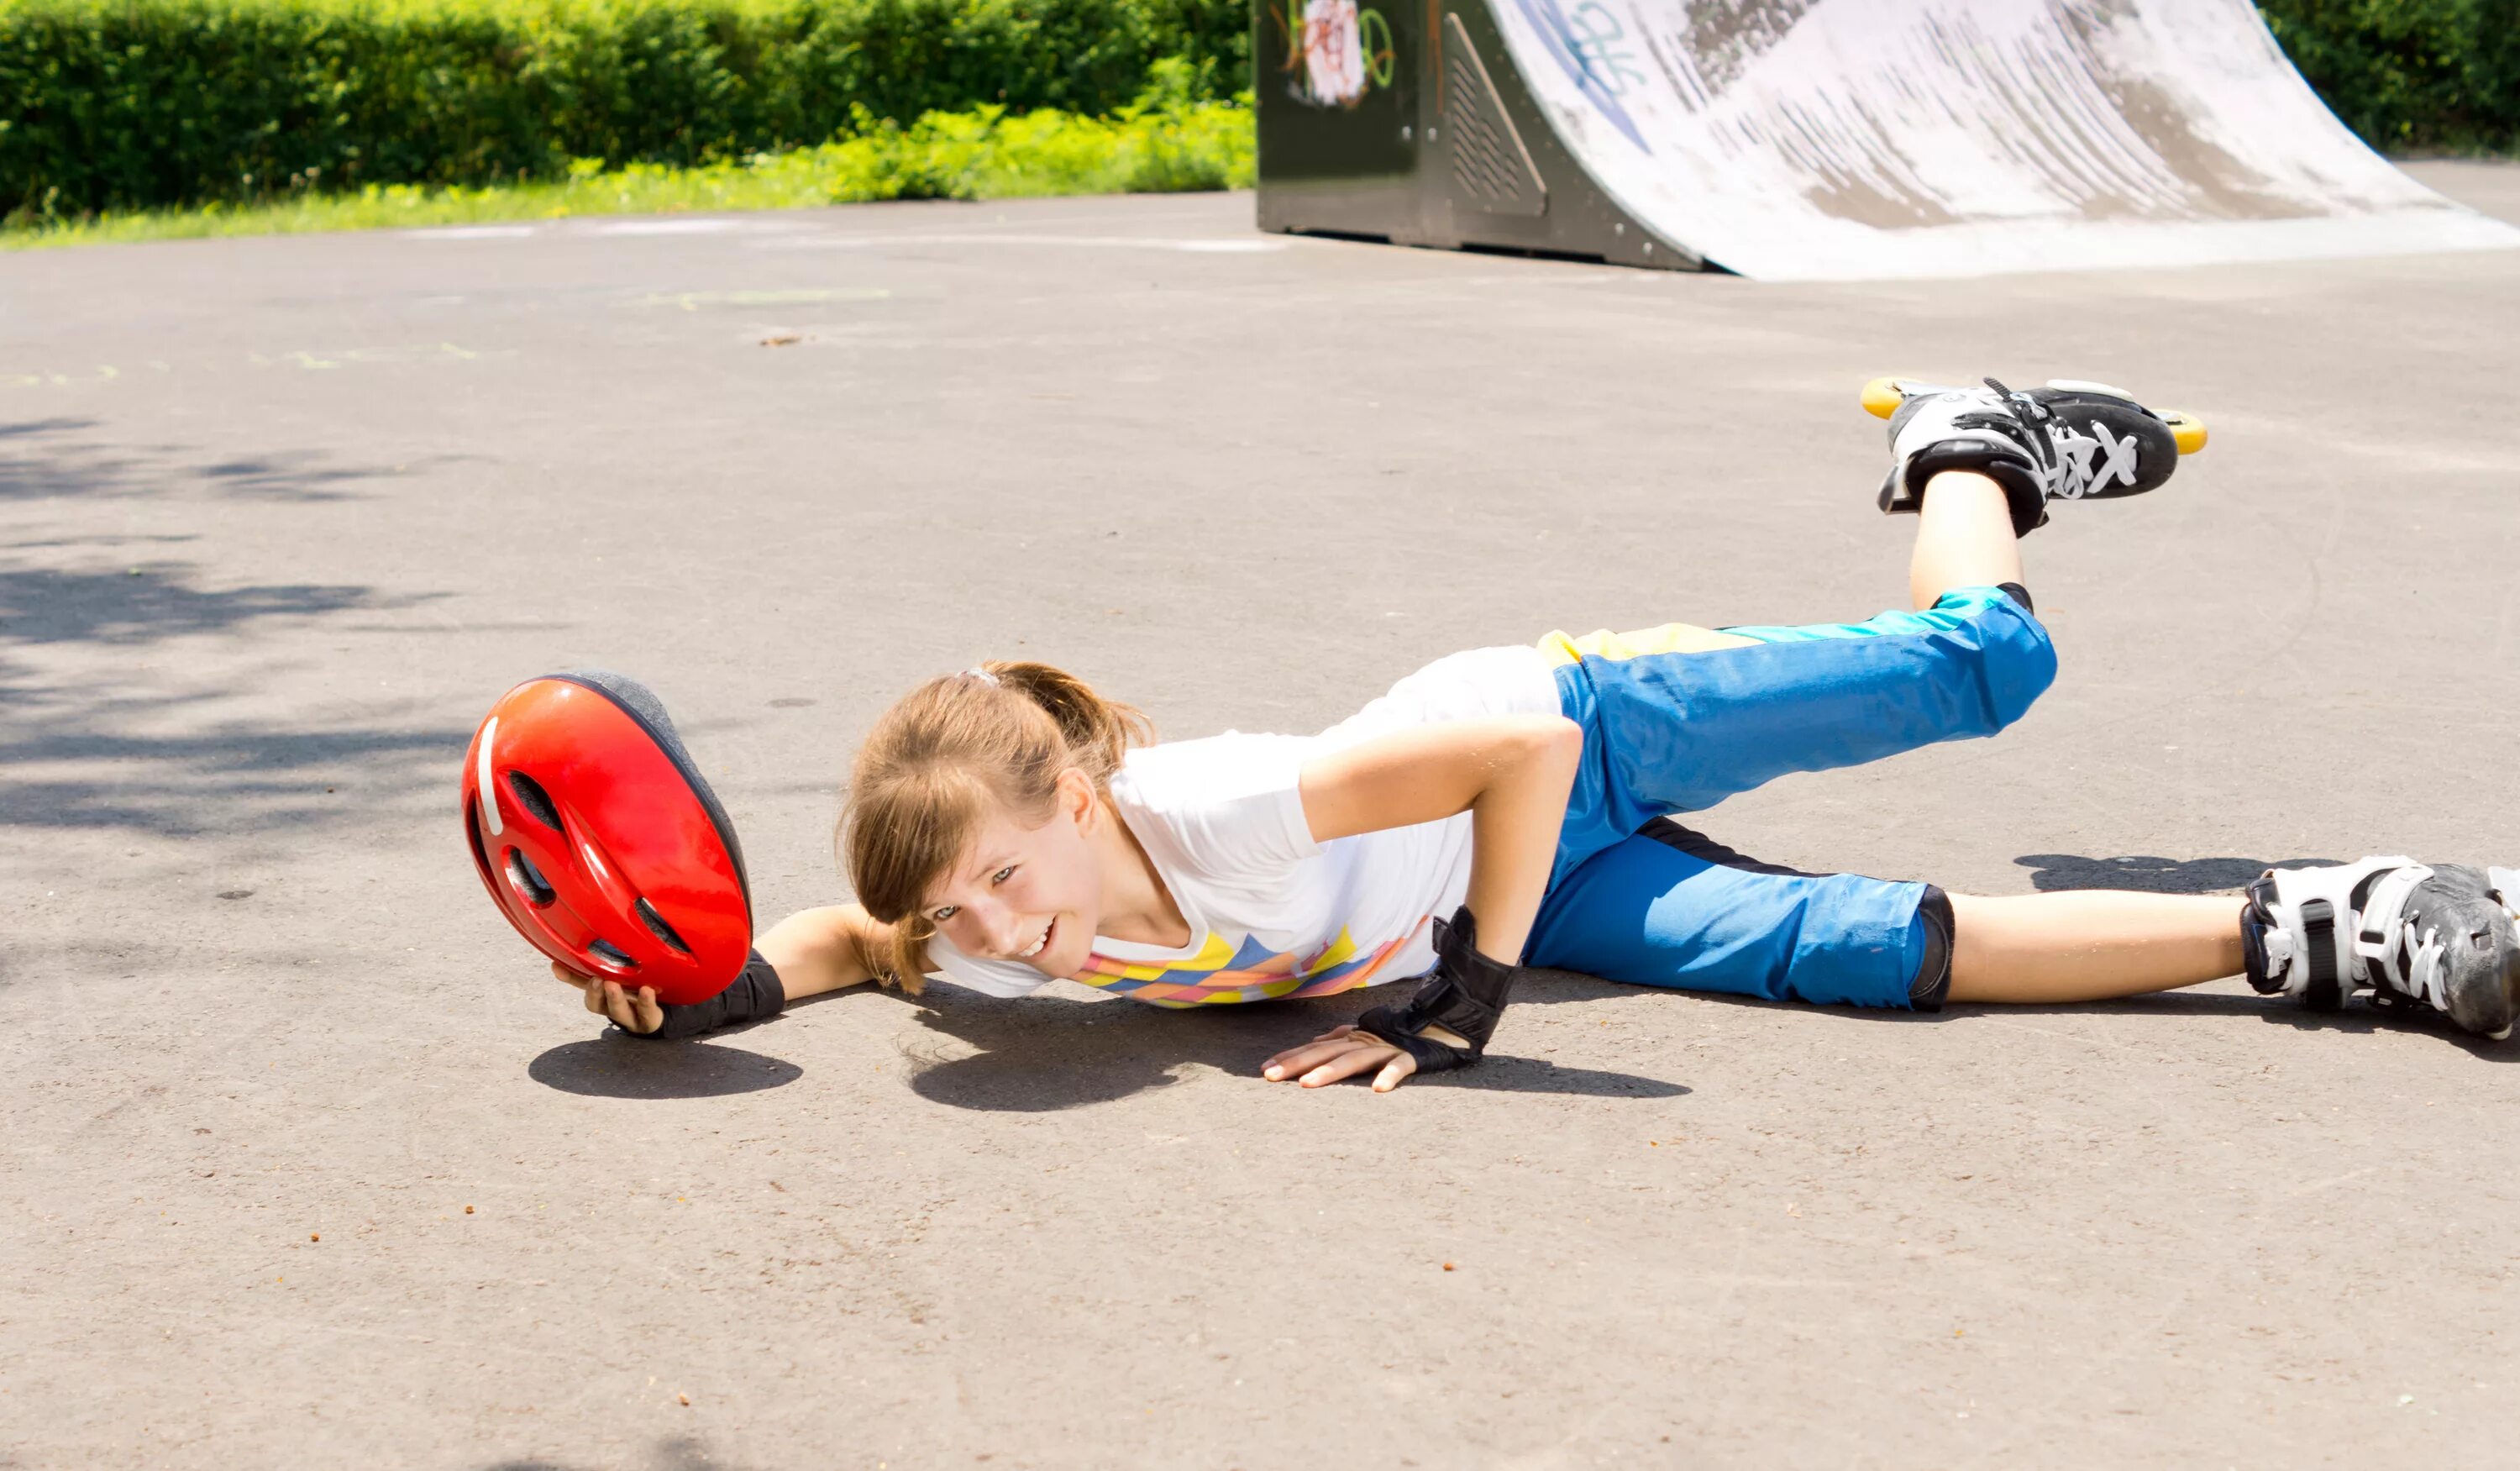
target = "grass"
x: 1157, y: 148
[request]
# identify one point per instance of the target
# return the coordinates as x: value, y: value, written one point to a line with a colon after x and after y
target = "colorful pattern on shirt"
x: 1221, y: 973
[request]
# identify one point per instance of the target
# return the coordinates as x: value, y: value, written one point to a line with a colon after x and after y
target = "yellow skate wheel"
x: 2188, y: 430
x: 1881, y: 397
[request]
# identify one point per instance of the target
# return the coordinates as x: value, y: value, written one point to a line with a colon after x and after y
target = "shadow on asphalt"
x: 2166, y: 1005
x: 43, y: 459
x: 2361, y: 1018
x: 239, y: 779
x: 613, y: 1066
x: 76, y: 756
x: 2058, y: 872
x: 134, y: 604
x: 673, y: 1453
x: 1043, y: 1054
x: 54, y: 425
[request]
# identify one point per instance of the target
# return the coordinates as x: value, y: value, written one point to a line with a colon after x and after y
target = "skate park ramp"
x: 1796, y: 140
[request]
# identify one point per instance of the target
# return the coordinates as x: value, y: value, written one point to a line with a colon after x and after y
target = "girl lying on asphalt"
x: 1523, y: 806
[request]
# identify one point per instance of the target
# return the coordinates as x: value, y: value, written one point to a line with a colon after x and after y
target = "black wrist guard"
x: 1465, y: 995
x: 756, y: 994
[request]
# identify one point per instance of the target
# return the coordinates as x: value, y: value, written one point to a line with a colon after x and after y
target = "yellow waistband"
x: 1669, y: 637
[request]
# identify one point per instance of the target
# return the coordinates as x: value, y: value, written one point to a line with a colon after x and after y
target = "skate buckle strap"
x: 2391, y: 953
x: 2341, y: 925
x: 2506, y: 890
x: 1463, y: 996
x: 2318, y: 950
x: 2031, y: 410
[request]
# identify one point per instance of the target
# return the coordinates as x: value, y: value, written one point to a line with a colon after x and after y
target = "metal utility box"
x: 1402, y: 120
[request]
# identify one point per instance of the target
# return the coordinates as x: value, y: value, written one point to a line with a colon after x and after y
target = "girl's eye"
x: 1000, y: 876
x: 945, y: 913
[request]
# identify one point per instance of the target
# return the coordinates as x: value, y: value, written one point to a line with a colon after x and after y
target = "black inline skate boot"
x: 2065, y: 441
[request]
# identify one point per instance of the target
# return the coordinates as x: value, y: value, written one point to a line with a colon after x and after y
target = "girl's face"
x: 1028, y: 894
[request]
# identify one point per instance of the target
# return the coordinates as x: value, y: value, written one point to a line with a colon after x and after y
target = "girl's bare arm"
x: 814, y: 951
x: 1511, y: 773
x: 828, y: 949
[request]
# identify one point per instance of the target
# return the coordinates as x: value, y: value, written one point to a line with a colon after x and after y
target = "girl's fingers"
x: 1294, y: 1060
x: 1288, y: 1057
x: 1393, y: 1072
x: 642, y: 1013
x: 1328, y: 1044
x: 1344, y: 1066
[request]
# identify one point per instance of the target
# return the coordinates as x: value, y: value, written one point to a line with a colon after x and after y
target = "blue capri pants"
x: 1676, y: 719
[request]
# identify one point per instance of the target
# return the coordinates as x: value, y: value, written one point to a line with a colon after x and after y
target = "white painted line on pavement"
x: 1233, y: 246
x: 668, y: 227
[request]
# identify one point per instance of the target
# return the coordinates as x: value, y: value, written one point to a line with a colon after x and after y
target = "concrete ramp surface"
x: 1839, y: 139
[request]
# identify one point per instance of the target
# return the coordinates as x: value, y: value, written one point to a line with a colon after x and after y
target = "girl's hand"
x: 640, y: 1013
x: 1337, y: 1053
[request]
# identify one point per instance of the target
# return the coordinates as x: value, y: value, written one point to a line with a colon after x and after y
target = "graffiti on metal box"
x: 1334, y: 52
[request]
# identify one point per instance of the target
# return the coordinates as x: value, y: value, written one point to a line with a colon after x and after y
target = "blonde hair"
x: 944, y: 758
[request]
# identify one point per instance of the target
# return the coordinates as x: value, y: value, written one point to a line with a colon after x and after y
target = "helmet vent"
x: 605, y: 950
x: 528, y: 879
x: 534, y: 800
x: 657, y: 927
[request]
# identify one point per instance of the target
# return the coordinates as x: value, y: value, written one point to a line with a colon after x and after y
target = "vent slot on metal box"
x: 1492, y: 171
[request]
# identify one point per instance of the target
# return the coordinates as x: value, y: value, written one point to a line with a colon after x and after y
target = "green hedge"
x: 2410, y: 74
x: 130, y: 104
x: 984, y: 153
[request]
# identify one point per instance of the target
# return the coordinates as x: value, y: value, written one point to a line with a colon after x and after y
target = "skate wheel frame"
x: 2187, y: 429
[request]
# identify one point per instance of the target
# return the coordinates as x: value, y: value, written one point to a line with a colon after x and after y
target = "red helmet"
x: 600, y: 843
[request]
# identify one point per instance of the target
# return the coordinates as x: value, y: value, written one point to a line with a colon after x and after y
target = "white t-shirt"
x: 1271, y: 912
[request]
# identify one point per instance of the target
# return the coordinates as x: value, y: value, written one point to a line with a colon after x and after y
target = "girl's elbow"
x: 1558, y: 743
x: 1565, y: 736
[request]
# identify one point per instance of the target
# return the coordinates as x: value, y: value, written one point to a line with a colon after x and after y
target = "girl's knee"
x: 2015, y: 660
x: 1871, y: 943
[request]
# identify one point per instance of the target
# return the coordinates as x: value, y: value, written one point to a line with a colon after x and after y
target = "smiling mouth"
x: 1040, y: 942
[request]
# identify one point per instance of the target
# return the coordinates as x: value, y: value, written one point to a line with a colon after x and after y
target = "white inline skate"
x: 2441, y: 937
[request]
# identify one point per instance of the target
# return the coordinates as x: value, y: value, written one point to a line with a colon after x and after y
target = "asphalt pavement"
x: 312, y: 1165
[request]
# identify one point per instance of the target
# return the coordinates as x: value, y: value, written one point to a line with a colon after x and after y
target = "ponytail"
x: 1096, y: 732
